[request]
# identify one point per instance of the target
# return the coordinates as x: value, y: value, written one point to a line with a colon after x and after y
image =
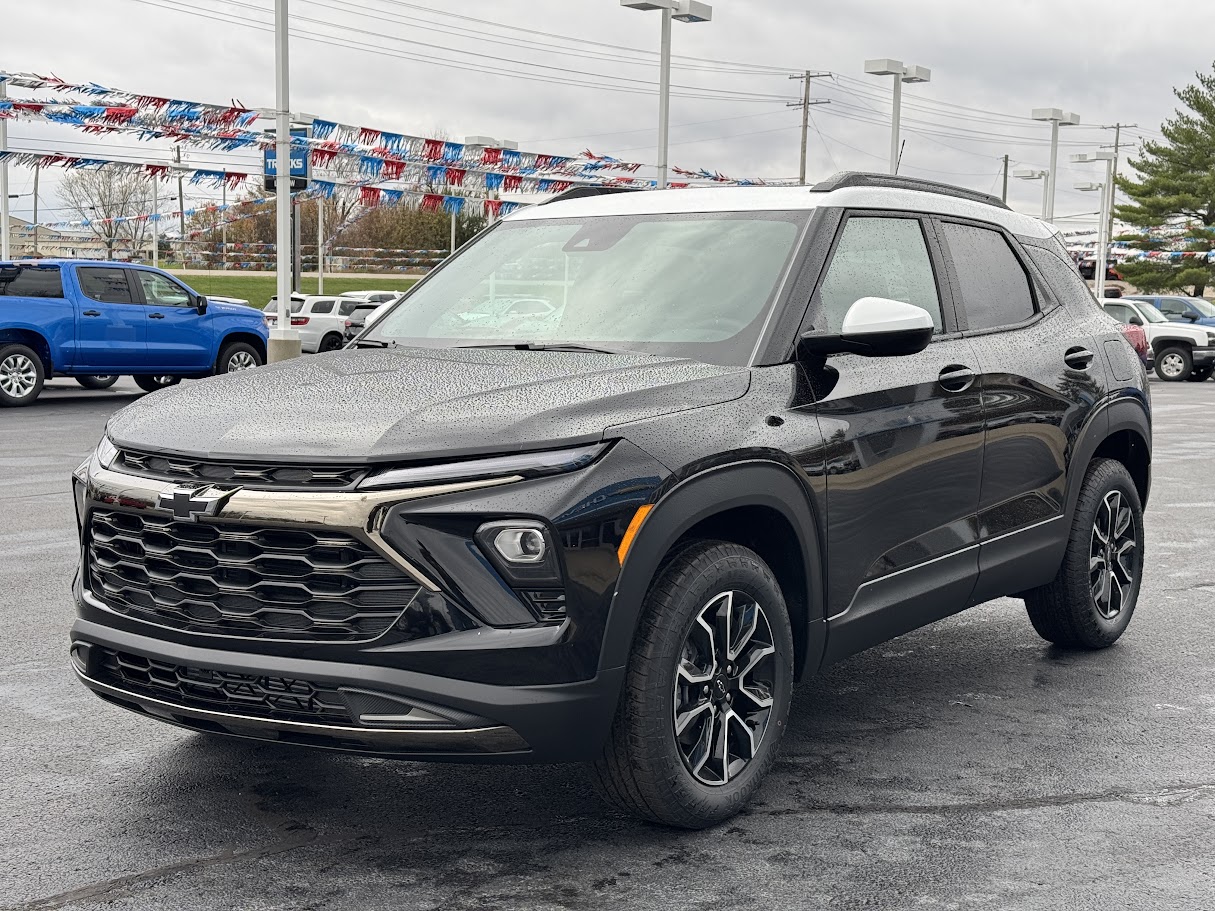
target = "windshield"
x: 1203, y: 306
x: 1151, y: 314
x: 697, y: 286
x: 293, y: 306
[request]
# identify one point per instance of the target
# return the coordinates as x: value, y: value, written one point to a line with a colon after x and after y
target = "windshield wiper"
x: 555, y: 346
x: 374, y: 343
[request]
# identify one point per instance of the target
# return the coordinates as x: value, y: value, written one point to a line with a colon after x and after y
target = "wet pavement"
x: 967, y: 765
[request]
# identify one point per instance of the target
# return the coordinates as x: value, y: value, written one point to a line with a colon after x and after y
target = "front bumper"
x: 520, y: 690
x: 559, y: 723
x: 1203, y: 357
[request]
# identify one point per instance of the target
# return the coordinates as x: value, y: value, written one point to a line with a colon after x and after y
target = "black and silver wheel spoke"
x: 723, y: 687
x: 1112, y: 555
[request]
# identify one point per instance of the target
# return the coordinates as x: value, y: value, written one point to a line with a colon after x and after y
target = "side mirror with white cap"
x: 874, y: 327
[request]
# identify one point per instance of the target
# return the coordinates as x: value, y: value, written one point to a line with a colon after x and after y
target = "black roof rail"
x: 894, y: 182
x: 581, y: 191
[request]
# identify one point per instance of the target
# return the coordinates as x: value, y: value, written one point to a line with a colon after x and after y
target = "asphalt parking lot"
x: 967, y: 765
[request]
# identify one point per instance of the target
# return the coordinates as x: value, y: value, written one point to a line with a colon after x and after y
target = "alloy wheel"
x: 1112, y: 555
x: 724, y: 688
x: 241, y: 360
x: 1172, y: 365
x: 18, y: 375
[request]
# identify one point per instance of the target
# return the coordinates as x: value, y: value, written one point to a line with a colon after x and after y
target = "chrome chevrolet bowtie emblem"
x: 188, y: 503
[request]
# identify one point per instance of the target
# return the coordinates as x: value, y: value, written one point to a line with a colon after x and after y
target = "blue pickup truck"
x: 96, y: 320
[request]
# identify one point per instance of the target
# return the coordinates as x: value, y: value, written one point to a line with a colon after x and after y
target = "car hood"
x: 232, y: 309
x: 1185, y: 330
x: 410, y: 403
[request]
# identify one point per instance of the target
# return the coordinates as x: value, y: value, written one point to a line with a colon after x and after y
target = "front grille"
x: 276, y: 698
x: 230, y: 579
x: 247, y: 474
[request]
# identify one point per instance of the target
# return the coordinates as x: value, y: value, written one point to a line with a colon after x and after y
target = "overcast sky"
x: 529, y: 70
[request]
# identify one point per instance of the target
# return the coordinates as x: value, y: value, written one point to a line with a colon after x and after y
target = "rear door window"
x: 995, y: 286
x: 24, y: 280
x: 322, y: 306
x: 108, y: 286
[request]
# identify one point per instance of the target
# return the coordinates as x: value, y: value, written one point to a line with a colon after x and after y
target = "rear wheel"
x: 1090, y: 601
x: 706, y: 698
x: 152, y: 383
x: 331, y: 342
x: 21, y: 376
x: 96, y: 382
x: 237, y: 356
x: 1174, y: 364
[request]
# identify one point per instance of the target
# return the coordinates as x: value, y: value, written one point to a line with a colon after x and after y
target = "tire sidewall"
x: 330, y: 342
x: 231, y: 350
x: 29, y: 398
x: 1186, y: 358
x: 1106, y: 478
x: 757, y: 582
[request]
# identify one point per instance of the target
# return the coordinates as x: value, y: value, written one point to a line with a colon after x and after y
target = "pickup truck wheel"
x: 237, y: 356
x: 707, y: 692
x: 21, y: 376
x: 96, y: 382
x: 1089, y: 603
x: 1200, y: 374
x: 1174, y: 364
x: 331, y: 342
x: 152, y: 383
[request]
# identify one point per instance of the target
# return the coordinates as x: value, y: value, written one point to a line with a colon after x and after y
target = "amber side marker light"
x: 631, y: 532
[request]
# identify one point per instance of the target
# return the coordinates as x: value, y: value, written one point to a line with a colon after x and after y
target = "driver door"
x: 178, y: 336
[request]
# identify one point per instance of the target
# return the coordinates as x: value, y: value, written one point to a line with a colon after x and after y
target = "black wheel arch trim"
x: 1108, y: 418
x: 700, y: 496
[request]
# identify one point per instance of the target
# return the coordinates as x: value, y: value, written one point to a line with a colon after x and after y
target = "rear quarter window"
x: 22, y: 280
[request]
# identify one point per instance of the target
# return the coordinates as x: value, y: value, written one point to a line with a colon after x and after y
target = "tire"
x: 1174, y: 364
x: 22, y: 376
x: 1071, y: 611
x: 237, y: 356
x: 331, y: 342
x: 647, y: 767
x: 152, y: 383
x: 1200, y: 374
x: 96, y: 382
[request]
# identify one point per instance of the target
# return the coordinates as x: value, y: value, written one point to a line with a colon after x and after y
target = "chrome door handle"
x: 1078, y: 358
x: 956, y: 378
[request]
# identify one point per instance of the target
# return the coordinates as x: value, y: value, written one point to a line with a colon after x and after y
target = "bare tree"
x: 108, y: 193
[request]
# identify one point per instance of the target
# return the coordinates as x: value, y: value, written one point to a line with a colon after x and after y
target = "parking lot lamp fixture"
x: 683, y: 11
x: 1101, y: 257
x: 1057, y: 118
x: 901, y: 73
x: 1029, y: 174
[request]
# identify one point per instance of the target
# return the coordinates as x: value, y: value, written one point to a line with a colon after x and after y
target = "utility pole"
x: 181, y: 208
x: 804, y: 104
x: 36, y: 171
x: 1004, y: 192
x: 223, y: 226
x: 1117, y: 128
x: 156, y: 222
x: 4, y: 253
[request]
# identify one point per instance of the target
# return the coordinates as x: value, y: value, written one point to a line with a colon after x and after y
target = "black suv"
x: 754, y: 431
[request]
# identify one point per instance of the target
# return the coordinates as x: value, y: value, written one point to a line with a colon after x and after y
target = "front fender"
x: 754, y: 483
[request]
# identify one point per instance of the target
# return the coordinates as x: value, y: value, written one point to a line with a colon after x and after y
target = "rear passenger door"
x: 904, y: 443
x: 111, y: 329
x: 1041, y: 379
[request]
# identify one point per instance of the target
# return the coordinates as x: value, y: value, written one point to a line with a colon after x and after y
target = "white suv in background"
x: 1182, y: 351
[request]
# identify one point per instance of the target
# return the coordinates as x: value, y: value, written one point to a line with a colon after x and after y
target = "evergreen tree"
x: 1177, y: 188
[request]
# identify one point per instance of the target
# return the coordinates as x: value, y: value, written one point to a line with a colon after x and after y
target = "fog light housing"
x: 522, y: 551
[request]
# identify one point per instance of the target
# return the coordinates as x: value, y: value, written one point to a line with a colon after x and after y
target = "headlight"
x: 106, y: 452
x: 527, y: 465
x: 1211, y: 338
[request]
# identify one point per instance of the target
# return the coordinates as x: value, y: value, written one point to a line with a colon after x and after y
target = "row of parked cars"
x: 327, y: 322
x: 1174, y: 335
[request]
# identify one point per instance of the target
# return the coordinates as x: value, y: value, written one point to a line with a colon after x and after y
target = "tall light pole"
x: 1057, y: 118
x: 684, y: 11
x: 1101, y: 255
x: 4, y: 252
x: 901, y: 74
x: 1036, y: 175
x: 284, y: 341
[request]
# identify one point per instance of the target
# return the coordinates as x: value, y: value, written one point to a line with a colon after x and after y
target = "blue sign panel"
x: 301, y: 164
